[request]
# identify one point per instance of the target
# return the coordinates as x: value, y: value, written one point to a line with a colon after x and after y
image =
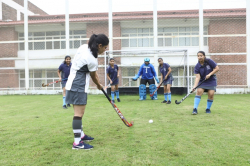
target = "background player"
x: 166, y: 75
x: 205, y: 69
x: 113, y: 76
x: 63, y: 73
x: 147, y: 71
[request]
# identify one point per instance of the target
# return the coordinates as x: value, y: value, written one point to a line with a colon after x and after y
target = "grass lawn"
x: 35, y: 130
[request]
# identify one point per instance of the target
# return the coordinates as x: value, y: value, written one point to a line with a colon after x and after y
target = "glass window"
x: 37, y: 73
x: 125, y: 42
x: 53, y: 33
x: 133, y: 42
x: 39, y: 45
x: 39, y: 33
x: 79, y: 32
x: 182, y: 29
x: 171, y: 29
x: 129, y: 30
x: 56, y: 43
x: 21, y: 46
x: 195, y: 29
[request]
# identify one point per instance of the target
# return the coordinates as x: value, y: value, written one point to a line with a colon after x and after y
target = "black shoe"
x: 208, y: 111
x: 65, y: 107
x: 87, y: 138
x: 169, y: 102
x: 82, y: 145
x: 195, y: 112
x: 164, y: 101
x: 68, y: 105
x: 118, y: 99
x: 113, y: 101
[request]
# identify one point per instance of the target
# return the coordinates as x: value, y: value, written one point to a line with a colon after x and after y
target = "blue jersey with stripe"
x: 147, y: 72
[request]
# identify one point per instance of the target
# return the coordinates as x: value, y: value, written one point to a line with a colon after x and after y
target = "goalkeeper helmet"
x: 146, y: 60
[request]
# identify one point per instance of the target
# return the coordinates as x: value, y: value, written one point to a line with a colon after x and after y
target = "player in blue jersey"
x: 63, y: 73
x: 166, y: 75
x: 205, y: 69
x: 113, y: 76
x: 147, y: 71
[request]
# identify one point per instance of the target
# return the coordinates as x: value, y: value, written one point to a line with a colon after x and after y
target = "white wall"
x: 43, y: 58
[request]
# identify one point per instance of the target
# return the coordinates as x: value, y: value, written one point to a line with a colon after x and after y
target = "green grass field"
x: 35, y: 130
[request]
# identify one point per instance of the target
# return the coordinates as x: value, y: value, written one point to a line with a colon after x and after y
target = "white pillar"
x: 18, y: 13
x: 67, y: 25
x: 105, y: 69
x: 110, y: 28
x: 1, y: 10
x: 188, y: 77
x: 26, y: 44
x: 155, y: 27
x: 201, y: 43
x: 248, y: 41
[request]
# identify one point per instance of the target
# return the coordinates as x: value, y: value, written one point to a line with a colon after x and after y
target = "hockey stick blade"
x: 151, y: 95
x: 176, y: 102
x: 118, y: 111
x: 43, y: 85
x: 121, y: 116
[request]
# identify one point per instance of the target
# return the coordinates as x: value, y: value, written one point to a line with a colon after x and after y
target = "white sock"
x: 77, y: 139
x: 82, y: 134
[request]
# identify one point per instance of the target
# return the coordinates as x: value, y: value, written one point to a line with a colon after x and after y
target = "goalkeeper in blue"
x: 147, y: 73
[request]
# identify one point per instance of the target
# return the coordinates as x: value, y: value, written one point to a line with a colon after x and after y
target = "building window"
x: 133, y: 37
x: 43, y: 44
x: 134, y: 40
x: 38, y: 77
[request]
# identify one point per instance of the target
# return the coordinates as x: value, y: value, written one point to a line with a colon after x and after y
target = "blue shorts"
x: 169, y: 81
x: 116, y: 82
x: 63, y: 83
x: 206, y: 88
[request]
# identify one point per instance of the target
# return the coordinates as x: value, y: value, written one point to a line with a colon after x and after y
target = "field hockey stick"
x: 156, y: 89
x: 108, y: 85
x: 44, y: 85
x: 127, y: 83
x: 176, y: 102
x: 118, y: 111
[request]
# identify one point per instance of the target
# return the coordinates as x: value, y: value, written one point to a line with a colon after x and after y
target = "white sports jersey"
x: 83, y: 63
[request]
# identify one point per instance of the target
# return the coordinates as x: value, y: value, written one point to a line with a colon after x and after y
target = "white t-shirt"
x: 83, y: 63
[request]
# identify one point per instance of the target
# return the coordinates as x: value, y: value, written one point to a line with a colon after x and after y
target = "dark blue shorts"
x: 116, y: 82
x: 169, y: 80
x: 206, y: 88
x: 63, y: 83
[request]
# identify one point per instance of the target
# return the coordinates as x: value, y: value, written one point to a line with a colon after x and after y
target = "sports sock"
x: 209, y: 103
x: 197, y: 100
x: 113, y: 94
x: 166, y: 96
x: 169, y: 96
x: 117, y: 93
x: 64, y: 103
x: 76, y: 125
x: 82, y: 133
